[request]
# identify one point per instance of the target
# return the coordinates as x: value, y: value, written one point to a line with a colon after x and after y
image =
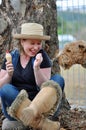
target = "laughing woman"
x: 27, y: 77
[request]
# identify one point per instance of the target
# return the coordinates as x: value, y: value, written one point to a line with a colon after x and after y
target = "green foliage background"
x: 71, y: 22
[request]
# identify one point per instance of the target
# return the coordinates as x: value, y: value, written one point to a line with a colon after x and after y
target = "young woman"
x: 33, y: 67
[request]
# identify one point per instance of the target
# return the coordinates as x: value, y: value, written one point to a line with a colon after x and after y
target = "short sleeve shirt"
x: 23, y: 78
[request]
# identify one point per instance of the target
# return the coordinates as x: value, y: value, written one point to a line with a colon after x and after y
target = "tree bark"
x: 15, y: 12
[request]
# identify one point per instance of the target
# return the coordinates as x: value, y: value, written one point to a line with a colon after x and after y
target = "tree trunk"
x: 15, y: 12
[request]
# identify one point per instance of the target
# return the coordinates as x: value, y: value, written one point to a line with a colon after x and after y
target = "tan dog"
x: 73, y: 53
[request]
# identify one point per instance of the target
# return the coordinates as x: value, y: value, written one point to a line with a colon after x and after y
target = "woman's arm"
x: 41, y: 74
x: 6, y: 75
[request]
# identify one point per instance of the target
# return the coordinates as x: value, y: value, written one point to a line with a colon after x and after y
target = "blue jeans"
x: 59, y: 79
x: 9, y: 92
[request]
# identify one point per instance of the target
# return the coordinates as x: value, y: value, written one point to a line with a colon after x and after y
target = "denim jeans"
x: 9, y: 92
x: 59, y: 79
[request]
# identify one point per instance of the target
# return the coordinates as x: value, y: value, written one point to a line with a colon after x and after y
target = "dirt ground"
x: 74, y: 119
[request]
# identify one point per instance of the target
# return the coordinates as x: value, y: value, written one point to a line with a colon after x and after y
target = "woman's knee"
x: 7, y: 90
x: 59, y: 79
x: 4, y: 90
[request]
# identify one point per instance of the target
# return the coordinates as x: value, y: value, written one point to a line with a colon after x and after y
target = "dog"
x: 72, y: 53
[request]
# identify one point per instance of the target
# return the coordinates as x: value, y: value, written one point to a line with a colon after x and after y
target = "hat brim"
x: 24, y: 36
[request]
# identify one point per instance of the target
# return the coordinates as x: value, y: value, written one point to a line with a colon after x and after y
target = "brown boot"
x: 32, y: 113
x: 40, y: 122
x: 44, y: 101
x: 47, y: 124
x: 21, y: 102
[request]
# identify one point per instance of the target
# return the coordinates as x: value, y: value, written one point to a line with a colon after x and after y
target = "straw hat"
x: 31, y: 31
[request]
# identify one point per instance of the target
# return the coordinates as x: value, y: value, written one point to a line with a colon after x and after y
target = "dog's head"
x: 73, y: 53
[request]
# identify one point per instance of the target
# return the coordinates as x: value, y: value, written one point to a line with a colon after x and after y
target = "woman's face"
x: 31, y: 47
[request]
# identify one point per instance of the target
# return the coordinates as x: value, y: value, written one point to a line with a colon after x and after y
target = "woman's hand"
x: 38, y: 61
x: 9, y: 68
x: 41, y: 74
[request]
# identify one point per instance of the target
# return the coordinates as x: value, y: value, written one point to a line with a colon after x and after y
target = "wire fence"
x: 71, y: 26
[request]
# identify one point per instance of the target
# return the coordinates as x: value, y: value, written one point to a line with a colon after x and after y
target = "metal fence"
x: 72, y: 26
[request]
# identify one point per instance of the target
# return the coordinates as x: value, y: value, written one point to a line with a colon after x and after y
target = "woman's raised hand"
x: 38, y: 60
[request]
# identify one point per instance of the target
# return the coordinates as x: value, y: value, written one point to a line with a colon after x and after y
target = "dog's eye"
x: 68, y: 50
x: 81, y: 46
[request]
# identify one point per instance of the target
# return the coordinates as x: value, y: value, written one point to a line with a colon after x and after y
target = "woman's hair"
x: 20, y: 48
